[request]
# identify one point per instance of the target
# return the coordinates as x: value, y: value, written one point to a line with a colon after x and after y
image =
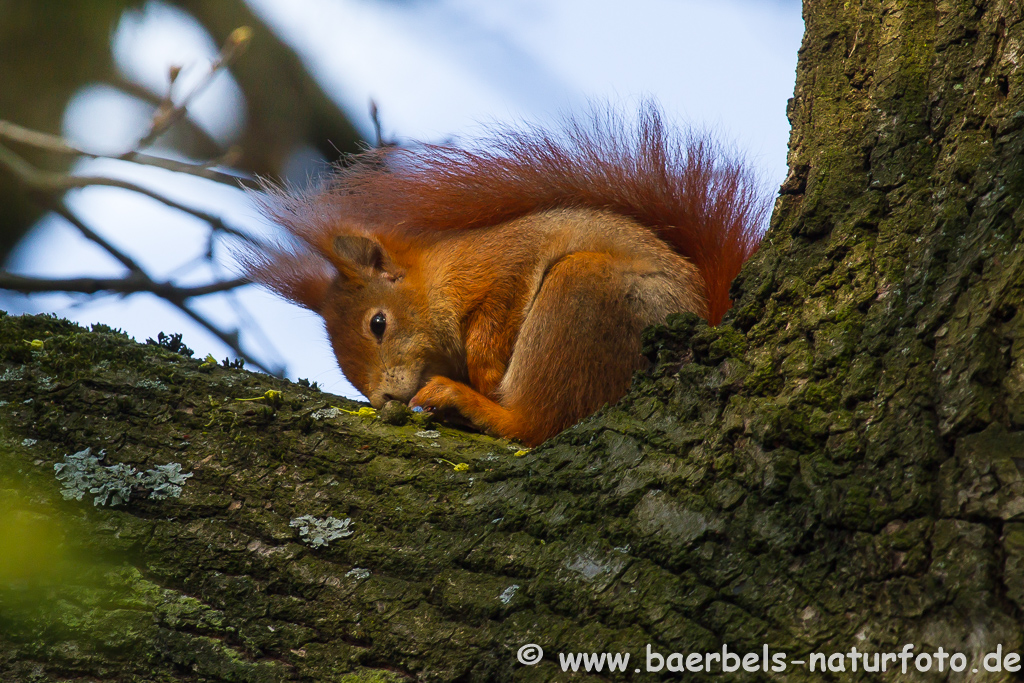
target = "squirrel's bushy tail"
x: 684, y: 186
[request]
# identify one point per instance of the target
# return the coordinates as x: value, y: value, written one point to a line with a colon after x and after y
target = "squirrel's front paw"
x: 460, y: 404
x: 438, y: 393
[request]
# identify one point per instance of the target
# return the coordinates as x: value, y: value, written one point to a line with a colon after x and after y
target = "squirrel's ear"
x: 357, y: 250
x: 362, y: 255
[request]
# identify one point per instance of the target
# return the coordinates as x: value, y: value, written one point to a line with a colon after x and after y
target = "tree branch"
x: 12, y: 132
x: 168, y: 113
x: 57, y: 183
x: 50, y: 187
x: 131, y: 283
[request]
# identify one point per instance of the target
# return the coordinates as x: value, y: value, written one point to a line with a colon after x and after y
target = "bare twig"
x: 138, y: 281
x: 231, y: 339
x: 127, y: 261
x: 140, y: 92
x: 49, y: 188
x: 144, y: 283
x: 377, y: 130
x: 58, y: 183
x: 168, y: 113
x: 12, y: 132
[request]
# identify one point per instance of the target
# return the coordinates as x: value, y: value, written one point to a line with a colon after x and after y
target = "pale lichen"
x: 509, y: 593
x: 82, y: 473
x: 318, y: 531
x: 13, y: 374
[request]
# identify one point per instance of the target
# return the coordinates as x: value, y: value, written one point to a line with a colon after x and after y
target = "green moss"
x: 763, y: 379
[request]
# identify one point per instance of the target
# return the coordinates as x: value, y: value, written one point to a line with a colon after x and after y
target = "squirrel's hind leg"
x: 580, y: 342
x: 576, y: 350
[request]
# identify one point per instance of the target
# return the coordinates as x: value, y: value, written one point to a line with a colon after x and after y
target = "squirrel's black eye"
x: 378, y: 324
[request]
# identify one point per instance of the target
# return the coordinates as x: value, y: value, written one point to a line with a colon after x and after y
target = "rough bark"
x: 837, y: 465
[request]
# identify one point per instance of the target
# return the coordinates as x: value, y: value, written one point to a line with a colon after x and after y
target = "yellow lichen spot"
x: 365, y: 411
x: 270, y: 396
x: 521, y: 453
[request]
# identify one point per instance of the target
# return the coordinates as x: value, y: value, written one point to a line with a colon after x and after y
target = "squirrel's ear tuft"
x: 295, y: 273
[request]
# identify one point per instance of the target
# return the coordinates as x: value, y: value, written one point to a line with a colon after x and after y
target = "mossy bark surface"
x: 838, y: 465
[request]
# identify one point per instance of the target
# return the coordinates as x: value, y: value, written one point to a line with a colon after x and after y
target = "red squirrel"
x: 510, y: 281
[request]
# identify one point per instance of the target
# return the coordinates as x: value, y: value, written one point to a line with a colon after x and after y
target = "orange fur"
x: 510, y: 282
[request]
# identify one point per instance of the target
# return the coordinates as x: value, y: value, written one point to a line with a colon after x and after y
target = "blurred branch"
x: 130, y: 284
x: 49, y: 187
x: 286, y: 106
x: 93, y: 236
x: 50, y: 182
x: 52, y: 50
x: 199, y: 144
x: 377, y: 129
x: 144, y: 283
x: 27, y: 155
x: 168, y: 113
x: 12, y: 132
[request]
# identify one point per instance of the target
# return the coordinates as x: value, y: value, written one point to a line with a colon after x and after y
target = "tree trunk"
x: 837, y: 466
